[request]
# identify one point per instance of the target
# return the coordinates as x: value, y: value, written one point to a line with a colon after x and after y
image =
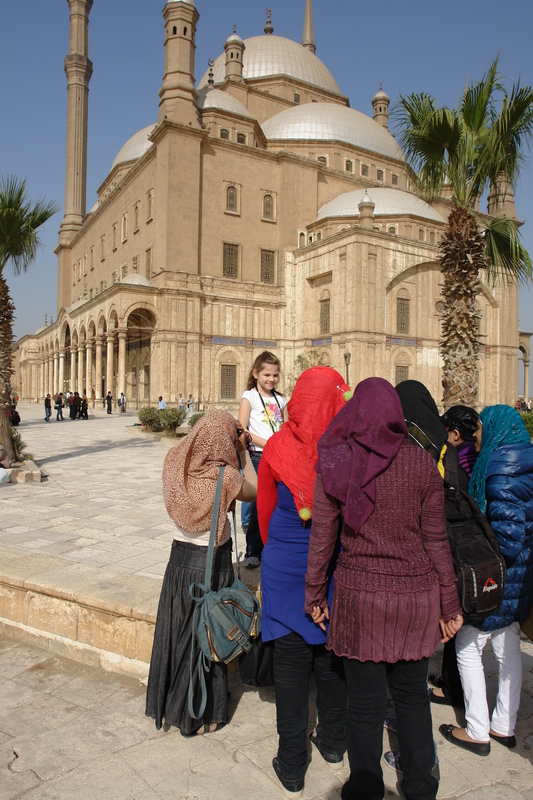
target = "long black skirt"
x: 168, y: 680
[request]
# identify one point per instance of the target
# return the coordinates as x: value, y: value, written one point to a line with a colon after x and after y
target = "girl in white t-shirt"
x: 262, y: 412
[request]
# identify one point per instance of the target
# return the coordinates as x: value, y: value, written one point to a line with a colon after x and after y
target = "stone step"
x: 95, y: 615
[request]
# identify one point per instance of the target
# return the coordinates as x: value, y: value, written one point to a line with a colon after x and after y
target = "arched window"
x: 380, y: 175
x: 301, y: 240
x: 348, y: 165
x: 432, y: 237
x: 241, y: 138
x: 325, y: 316
x: 231, y: 198
x: 395, y: 180
x: 421, y: 235
x: 392, y: 230
x: 322, y: 160
x: 174, y: 30
x: 296, y: 98
x: 401, y: 373
x: 224, y: 133
x: 268, y: 206
x: 364, y: 170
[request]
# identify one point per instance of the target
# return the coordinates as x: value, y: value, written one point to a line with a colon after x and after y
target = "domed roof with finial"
x: 234, y: 37
x: 381, y: 96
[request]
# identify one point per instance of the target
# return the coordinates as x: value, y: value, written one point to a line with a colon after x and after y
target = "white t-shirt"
x: 264, y: 419
x: 202, y: 538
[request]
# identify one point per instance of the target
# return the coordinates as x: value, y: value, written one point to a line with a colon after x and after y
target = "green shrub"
x: 149, y: 418
x: 528, y: 422
x: 18, y: 444
x: 171, y: 418
x: 194, y: 419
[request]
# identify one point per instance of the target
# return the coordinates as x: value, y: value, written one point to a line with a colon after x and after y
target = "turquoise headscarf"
x: 501, y: 425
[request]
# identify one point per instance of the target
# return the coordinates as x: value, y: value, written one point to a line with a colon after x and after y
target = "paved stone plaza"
x: 97, y: 530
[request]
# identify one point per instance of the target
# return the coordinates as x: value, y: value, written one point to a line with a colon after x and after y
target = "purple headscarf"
x: 358, y: 445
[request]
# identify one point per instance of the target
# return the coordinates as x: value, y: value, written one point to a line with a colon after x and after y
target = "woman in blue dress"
x: 284, y: 503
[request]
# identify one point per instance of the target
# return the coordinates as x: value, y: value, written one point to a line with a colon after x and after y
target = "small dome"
x: 388, y: 203
x: 266, y: 56
x: 137, y: 145
x: 331, y: 122
x: 381, y: 96
x: 188, y: 2
x: 215, y: 98
x: 366, y: 199
x: 234, y: 37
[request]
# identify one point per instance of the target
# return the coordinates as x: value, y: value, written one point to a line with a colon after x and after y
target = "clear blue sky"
x: 409, y: 47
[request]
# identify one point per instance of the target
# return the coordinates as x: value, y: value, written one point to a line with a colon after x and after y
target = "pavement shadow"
x: 104, y: 446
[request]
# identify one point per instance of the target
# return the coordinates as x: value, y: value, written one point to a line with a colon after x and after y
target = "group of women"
x: 357, y: 577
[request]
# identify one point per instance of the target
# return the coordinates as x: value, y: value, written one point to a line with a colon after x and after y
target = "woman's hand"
x: 319, y: 616
x: 450, y: 627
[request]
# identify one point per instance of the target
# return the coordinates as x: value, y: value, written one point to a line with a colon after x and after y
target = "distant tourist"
x: 122, y: 403
x: 190, y: 408
x: 59, y: 407
x: 47, y: 408
x: 181, y: 401
x: 109, y: 402
x: 162, y: 404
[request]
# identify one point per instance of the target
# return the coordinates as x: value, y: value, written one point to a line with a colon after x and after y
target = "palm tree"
x: 19, y: 241
x: 467, y: 150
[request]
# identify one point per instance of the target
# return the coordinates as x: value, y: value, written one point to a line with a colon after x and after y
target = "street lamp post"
x: 347, y: 359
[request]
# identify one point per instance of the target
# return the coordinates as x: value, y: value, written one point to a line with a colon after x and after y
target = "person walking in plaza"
x: 109, y: 402
x: 162, y: 405
x: 285, y: 505
x: 122, y: 403
x: 261, y: 412
x: 394, y: 594
x: 84, y: 411
x: 190, y: 408
x: 502, y: 486
x: 47, y: 408
x: 190, y: 476
x: 58, y: 405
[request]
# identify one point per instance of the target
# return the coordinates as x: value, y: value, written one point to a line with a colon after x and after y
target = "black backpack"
x: 479, y: 565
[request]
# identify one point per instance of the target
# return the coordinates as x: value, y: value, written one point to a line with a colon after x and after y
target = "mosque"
x: 257, y: 211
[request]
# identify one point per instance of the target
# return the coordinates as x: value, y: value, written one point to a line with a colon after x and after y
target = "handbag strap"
x: 213, y: 531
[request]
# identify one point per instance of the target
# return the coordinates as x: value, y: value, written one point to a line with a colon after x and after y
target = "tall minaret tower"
x: 78, y: 70
x: 178, y: 96
x: 308, y: 39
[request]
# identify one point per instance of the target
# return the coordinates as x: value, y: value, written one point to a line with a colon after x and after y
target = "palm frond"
x: 19, y: 222
x: 477, y: 103
x: 505, y: 255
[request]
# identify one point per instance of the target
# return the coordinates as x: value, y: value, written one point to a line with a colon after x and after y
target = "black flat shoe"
x: 479, y: 748
x: 292, y: 789
x: 507, y: 741
x: 333, y: 760
x: 438, y: 700
x: 436, y: 681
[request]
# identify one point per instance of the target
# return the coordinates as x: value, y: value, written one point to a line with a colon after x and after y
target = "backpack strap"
x: 200, y: 661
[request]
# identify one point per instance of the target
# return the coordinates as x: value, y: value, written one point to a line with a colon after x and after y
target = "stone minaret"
x: 78, y: 70
x: 178, y: 94
x: 234, y: 48
x: 308, y: 39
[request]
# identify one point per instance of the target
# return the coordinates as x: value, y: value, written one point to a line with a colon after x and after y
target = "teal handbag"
x: 224, y: 622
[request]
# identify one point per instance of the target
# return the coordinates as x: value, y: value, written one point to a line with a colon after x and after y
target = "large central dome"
x: 266, y: 56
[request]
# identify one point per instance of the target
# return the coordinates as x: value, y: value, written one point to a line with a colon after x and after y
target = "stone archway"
x: 140, y: 327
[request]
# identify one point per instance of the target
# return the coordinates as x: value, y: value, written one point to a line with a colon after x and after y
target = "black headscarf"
x: 422, y: 417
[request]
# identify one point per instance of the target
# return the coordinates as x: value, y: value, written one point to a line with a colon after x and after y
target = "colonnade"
x: 87, y: 367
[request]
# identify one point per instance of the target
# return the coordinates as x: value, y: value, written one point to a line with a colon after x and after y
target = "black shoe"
x: 436, y: 681
x: 479, y: 748
x: 507, y: 741
x: 333, y: 760
x: 438, y: 700
x: 293, y: 789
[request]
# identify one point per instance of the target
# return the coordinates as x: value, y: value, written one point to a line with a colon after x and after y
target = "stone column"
x: 61, y: 379
x: 526, y: 380
x: 55, y: 375
x: 81, y: 367
x: 110, y: 355
x: 47, y: 376
x: 43, y: 388
x: 122, y: 340
x: 73, y: 369
x: 89, y: 370
x: 98, y: 369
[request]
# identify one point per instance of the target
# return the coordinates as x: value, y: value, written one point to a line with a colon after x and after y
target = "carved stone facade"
x: 259, y: 212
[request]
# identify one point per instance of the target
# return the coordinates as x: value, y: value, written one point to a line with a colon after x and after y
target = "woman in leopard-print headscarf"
x: 190, y: 475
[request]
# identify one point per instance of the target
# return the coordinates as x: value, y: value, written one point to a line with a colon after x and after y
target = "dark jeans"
x: 254, y: 543
x: 451, y: 680
x: 367, y: 683
x: 294, y: 661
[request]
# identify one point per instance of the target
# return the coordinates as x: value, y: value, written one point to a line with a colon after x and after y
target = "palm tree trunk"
x: 6, y: 365
x: 461, y: 258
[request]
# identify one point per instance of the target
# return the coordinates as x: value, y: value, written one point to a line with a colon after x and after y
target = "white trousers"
x: 469, y: 645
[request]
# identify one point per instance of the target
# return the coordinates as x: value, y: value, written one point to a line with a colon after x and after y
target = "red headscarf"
x: 359, y: 445
x: 320, y: 392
